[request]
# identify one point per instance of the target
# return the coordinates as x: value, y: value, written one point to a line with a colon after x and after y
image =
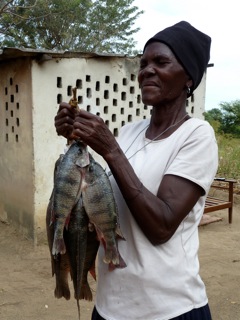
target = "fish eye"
x: 91, y: 168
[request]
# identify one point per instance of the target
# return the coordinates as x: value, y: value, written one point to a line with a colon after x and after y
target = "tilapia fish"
x: 89, y: 264
x: 76, y: 245
x: 81, y: 213
x: 81, y: 246
x: 60, y: 263
x: 81, y: 250
x: 67, y: 190
x: 101, y: 208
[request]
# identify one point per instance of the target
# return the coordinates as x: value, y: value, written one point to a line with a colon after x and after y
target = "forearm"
x: 149, y: 211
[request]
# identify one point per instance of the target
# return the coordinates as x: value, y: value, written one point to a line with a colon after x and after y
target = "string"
x: 144, y: 146
x: 158, y: 136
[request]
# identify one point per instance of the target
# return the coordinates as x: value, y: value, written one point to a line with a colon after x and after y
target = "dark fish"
x: 76, y: 246
x: 60, y: 263
x: 67, y: 190
x: 89, y: 264
x: 101, y: 208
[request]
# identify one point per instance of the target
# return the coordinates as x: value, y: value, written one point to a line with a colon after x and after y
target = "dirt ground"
x: 26, y: 284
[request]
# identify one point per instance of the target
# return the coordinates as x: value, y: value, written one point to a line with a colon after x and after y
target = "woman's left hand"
x: 92, y: 130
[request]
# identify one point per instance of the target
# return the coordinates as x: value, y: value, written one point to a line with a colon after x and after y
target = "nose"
x: 148, y: 71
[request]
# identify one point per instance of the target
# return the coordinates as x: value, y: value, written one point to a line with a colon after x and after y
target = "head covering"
x: 190, y: 46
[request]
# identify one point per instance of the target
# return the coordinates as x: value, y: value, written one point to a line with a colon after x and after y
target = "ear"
x: 189, y: 83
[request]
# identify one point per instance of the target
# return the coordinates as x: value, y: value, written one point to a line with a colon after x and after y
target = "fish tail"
x: 86, y: 292
x: 62, y: 290
x: 111, y: 255
x: 122, y: 264
x: 78, y: 306
x: 58, y: 246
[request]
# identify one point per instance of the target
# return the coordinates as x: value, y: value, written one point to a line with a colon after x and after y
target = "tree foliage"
x: 84, y: 25
x: 227, y: 118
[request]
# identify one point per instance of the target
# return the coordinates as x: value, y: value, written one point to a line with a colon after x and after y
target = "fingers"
x: 88, y: 124
x: 64, y: 119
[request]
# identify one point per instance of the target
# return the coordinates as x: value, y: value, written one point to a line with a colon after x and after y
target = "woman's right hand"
x: 64, y: 120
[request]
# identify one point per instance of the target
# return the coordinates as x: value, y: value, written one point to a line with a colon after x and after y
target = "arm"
x: 158, y: 216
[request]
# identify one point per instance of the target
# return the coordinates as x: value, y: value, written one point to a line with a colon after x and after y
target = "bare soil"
x: 27, y: 286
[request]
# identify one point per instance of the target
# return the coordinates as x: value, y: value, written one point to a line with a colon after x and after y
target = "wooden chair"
x: 216, y: 203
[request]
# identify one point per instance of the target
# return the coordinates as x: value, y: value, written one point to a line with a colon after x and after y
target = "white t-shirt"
x: 160, y: 282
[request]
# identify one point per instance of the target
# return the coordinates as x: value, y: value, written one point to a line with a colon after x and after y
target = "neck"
x: 166, y: 125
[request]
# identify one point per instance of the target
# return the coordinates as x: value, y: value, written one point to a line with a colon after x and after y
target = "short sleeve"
x: 197, y: 160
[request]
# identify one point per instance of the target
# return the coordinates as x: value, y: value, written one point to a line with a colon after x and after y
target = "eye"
x: 160, y: 61
x: 143, y: 64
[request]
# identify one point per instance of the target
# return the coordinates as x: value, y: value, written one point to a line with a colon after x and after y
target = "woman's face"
x: 161, y: 77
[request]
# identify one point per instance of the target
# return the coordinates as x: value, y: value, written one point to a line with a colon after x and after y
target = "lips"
x: 149, y: 84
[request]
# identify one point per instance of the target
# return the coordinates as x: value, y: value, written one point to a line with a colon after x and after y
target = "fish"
x: 76, y: 245
x: 89, y: 263
x: 101, y: 208
x: 67, y: 190
x: 81, y: 214
x: 81, y: 250
x: 60, y: 263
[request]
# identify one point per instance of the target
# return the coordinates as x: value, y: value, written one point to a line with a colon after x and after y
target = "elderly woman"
x: 161, y: 170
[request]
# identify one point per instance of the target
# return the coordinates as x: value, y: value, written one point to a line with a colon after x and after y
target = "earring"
x: 188, y: 90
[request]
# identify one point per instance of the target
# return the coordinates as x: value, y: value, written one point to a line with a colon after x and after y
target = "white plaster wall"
x: 16, y: 158
x: 196, y: 108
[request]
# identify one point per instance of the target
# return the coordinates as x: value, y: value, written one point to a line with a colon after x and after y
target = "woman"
x: 161, y: 170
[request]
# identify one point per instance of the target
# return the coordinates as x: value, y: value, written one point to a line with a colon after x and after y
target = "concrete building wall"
x: 29, y: 98
x: 16, y: 158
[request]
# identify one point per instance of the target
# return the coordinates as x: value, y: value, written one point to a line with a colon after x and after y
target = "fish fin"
x: 119, y: 233
x: 78, y: 306
x: 53, y: 265
x: 121, y: 265
x: 62, y: 290
x: 67, y: 221
x: 111, y: 266
x: 93, y: 272
x: 111, y: 255
x: 58, y: 247
x: 86, y: 292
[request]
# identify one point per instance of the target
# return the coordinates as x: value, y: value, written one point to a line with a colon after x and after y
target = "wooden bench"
x: 214, y: 204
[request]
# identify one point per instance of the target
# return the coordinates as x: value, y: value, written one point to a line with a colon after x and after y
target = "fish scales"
x: 74, y: 225
x: 67, y: 190
x: 100, y: 205
x: 89, y: 264
x: 60, y: 263
x: 76, y: 245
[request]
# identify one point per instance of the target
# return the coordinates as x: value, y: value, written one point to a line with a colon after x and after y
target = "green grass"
x: 229, y: 156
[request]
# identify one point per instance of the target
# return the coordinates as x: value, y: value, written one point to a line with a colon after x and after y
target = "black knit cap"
x: 190, y: 46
